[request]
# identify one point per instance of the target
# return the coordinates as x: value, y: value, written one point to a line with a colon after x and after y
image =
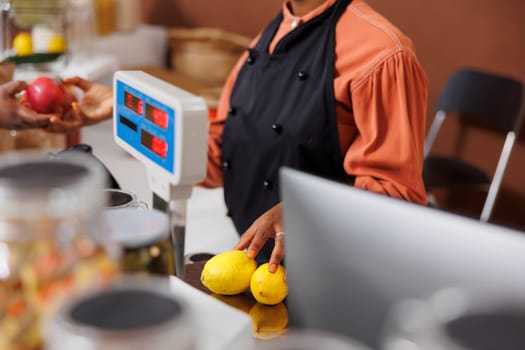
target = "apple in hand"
x: 48, y: 95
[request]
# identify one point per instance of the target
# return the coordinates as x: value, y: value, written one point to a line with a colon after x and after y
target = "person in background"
x: 13, y: 115
x: 329, y: 87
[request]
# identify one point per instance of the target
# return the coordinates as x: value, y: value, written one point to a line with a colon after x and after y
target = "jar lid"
x: 132, y: 312
x: 134, y: 228
x: 34, y: 185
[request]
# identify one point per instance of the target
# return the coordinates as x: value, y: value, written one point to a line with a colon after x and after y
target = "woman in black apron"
x: 297, y: 129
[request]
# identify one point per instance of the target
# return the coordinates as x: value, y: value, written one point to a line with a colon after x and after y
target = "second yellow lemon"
x: 269, y: 288
x: 228, y: 273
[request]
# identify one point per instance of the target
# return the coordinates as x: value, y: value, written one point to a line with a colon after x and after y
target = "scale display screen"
x: 133, y: 102
x: 158, y: 116
x: 153, y: 143
x: 146, y: 124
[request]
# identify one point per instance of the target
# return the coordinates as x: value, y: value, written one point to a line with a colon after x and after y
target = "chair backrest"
x: 490, y: 100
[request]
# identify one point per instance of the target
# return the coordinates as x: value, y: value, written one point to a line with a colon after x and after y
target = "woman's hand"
x: 268, y: 225
x: 13, y: 115
x: 96, y: 105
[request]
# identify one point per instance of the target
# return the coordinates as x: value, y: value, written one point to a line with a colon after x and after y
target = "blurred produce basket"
x: 205, y: 54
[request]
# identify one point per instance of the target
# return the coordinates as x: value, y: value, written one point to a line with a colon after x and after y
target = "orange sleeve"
x: 389, y: 108
x: 216, y: 125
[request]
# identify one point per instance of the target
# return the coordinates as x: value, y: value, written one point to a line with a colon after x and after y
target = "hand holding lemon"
x: 269, y: 288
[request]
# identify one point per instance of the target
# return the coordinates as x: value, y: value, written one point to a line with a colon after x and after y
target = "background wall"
x: 448, y: 34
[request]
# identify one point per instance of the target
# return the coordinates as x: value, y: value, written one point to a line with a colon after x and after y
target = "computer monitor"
x: 352, y: 254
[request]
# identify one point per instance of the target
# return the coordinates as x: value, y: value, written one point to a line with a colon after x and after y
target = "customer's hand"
x: 95, y: 105
x: 13, y: 115
x: 268, y: 225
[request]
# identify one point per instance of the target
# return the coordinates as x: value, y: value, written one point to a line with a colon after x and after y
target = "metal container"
x: 144, y: 237
x: 119, y: 199
x: 51, y: 243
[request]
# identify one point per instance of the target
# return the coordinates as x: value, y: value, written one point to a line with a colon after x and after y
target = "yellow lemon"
x: 57, y: 44
x: 23, y: 44
x: 269, y: 288
x: 228, y: 273
x: 269, y: 321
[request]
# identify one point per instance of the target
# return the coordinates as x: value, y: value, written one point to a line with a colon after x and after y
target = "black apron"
x: 282, y: 113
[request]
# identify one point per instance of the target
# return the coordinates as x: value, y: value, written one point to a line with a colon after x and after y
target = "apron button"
x: 302, y: 75
x: 277, y: 128
x: 250, y: 60
x: 227, y: 165
x: 268, y: 184
x: 231, y: 111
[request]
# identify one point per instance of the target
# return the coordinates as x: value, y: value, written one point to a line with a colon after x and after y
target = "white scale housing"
x: 165, y: 128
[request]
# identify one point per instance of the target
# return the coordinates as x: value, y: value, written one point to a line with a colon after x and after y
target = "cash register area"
x: 328, y: 294
x: 208, y: 229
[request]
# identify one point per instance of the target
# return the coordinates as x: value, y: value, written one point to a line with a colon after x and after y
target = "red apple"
x: 47, y: 95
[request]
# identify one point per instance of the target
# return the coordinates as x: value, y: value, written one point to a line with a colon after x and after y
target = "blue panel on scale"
x: 147, y: 125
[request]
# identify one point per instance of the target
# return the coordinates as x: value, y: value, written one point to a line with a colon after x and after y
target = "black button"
x: 232, y: 111
x: 229, y: 213
x: 277, y: 128
x: 268, y: 184
x: 250, y: 60
x: 227, y: 164
x: 302, y: 75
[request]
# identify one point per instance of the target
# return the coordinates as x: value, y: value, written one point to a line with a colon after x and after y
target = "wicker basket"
x: 205, y: 54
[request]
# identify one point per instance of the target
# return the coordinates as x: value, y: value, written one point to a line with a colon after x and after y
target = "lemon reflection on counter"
x: 269, y: 321
x: 242, y: 302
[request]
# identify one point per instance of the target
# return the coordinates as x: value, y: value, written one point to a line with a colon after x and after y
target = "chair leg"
x: 431, y: 201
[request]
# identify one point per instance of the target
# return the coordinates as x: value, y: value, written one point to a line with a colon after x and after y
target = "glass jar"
x: 51, y: 244
x: 34, y: 36
x: 81, y: 30
x: 144, y: 237
x: 34, y: 32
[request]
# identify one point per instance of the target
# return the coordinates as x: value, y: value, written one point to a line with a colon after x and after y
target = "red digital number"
x: 160, y: 118
x: 159, y: 146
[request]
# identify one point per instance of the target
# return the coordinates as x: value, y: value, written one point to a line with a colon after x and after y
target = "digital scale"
x: 165, y: 128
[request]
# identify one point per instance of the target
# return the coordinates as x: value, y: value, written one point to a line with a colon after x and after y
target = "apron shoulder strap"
x: 268, y: 33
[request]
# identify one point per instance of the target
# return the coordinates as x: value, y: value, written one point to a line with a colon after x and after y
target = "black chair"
x: 485, y: 100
